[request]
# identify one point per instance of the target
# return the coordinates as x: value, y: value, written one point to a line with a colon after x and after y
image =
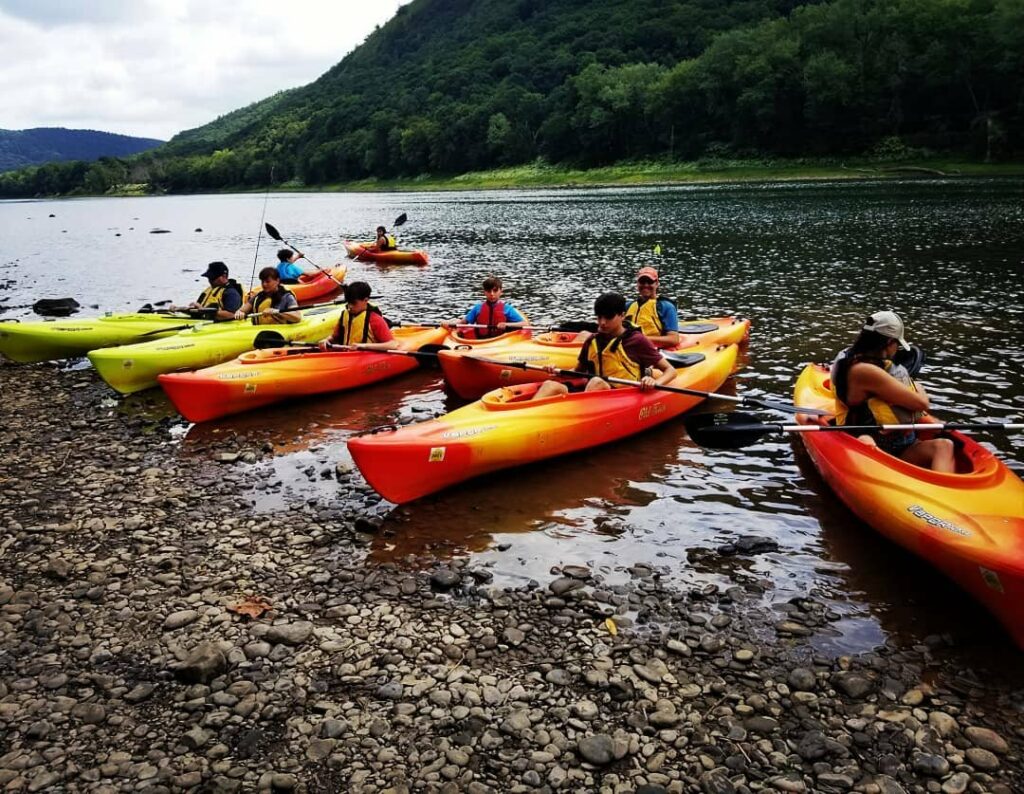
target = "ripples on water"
x: 806, y: 262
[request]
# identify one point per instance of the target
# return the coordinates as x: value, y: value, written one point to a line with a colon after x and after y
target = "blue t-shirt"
x: 289, y: 270
x: 667, y: 314
x: 511, y: 315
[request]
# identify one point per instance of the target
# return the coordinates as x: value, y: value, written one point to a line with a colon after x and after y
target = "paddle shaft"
x: 273, y: 232
x: 769, y: 428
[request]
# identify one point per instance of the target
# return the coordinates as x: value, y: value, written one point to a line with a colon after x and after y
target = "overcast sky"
x: 156, y: 67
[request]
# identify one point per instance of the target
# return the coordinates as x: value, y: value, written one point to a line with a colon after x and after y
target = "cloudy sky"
x: 155, y: 67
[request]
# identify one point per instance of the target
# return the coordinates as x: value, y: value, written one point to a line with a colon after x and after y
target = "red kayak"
x: 364, y: 252
x: 313, y: 286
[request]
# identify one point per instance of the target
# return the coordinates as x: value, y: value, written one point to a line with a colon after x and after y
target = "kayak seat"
x: 683, y: 360
x: 698, y: 328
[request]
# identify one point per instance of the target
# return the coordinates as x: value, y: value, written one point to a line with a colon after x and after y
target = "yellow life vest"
x: 612, y: 361
x: 644, y: 315
x: 876, y: 410
x: 263, y: 301
x: 355, y: 329
x: 213, y: 297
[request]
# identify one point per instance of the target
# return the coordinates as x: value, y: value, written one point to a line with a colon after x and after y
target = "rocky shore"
x: 159, y: 634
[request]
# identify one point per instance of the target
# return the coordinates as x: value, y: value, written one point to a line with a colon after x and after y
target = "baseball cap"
x: 648, y: 272
x: 215, y: 270
x: 887, y: 324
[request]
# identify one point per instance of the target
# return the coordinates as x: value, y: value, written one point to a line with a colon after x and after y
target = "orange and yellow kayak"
x: 364, y: 252
x: 969, y: 525
x: 505, y: 428
x: 262, y: 377
x: 314, y: 286
x: 469, y: 377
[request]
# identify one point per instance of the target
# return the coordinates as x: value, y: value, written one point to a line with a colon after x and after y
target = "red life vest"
x: 490, y: 315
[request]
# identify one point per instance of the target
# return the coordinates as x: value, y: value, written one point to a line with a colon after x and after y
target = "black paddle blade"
x: 577, y: 327
x: 726, y: 431
x: 426, y: 356
x: 697, y: 328
x: 265, y: 339
x: 273, y: 232
x: 400, y: 219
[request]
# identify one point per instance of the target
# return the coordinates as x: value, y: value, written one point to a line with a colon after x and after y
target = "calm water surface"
x: 805, y: 262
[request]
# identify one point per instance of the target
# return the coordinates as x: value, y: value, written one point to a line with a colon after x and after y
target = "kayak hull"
x: 55, y: 339
x: 132, y: 368
x: 314, y: 286
x: 969, y: 525
x: 469, y: 377
x: 362, y: 252
x: 264, y: 377
x: 505, y: 429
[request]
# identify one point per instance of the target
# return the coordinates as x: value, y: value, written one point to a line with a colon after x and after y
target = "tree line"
x: 450, y: 86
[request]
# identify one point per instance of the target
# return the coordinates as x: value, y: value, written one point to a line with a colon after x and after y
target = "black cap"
x: 215, y: 270
x: 357, y: 291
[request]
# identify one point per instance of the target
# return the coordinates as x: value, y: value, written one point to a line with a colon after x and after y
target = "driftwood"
x: 902, y: 169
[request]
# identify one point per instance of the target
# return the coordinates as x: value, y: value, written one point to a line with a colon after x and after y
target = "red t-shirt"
x: 379, y: 330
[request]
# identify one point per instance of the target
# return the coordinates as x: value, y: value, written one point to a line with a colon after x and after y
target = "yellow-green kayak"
x: 51, y: 339
x: 132, y: 368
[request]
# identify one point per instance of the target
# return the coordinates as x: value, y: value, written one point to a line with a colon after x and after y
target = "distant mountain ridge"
x: 20, y: 148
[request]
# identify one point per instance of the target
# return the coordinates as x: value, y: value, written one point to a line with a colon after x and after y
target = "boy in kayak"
x: 362, y: 325
x: 384, y: 241
x: 617, y: 350
x: 286, y: 267
x: 273, y: 304
x: 492, y: 312
x: 224, y: 294
x: 657, y: 317
x: 871, y: 390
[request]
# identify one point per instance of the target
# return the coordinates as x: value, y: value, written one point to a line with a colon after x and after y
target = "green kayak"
x: 50, y: 339
x: 132, y: 368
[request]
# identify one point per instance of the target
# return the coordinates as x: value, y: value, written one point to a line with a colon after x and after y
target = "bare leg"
x: 597, y: 384
x: 869, y: 440
x: 936, y: 454
x: 550, y: 388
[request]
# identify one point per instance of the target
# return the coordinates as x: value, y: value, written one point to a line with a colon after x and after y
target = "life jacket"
x: 355, y: 329
x: 490, y: 315
x: 268, y: 300
x: 610, y: 360
x: 874, y: 410
x: 390, y: 243
x: 643, y: 313
x: 213, y: 297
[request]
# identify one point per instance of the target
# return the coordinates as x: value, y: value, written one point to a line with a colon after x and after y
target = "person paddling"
x: 289, y: 272
x: 362, y: 325
x: 273, y: 304
x: 224, y: 295
x: 496, y: 314
x: 655, y: 316
x: 870, y: 389
x: 384, y: 241
x: 617, y: 350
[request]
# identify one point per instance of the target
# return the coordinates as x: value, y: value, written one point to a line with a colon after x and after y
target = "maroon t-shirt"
x: 635, y: 345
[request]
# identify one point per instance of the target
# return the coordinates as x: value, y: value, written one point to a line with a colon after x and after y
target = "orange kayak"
x: 505, y: 429
x: 969, y: 525
x: 469, y: 377
x: 313, y: 286
x: 365, y: 253
x: 262, y: 377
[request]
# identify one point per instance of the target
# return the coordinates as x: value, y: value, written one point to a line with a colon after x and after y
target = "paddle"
x: 737, y: 430
x: 273, y: 232
x: 399, y: 221
x: 746, y: 400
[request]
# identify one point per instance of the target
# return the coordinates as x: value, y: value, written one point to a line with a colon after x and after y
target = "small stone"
x: 89, y: 713
x: 391, y: 691
x: 195, y: 738
x: 444, y: 579
x: 943, y: 724
x: 802, y: 680
x: 717, y: 782
x: 597, y: 749
x: 987, y: 740
x: 585, y: 709
x: 982, y: 759
x: 177, y: 620
x: 205, y: 663
x: 289, y: 633
x: 956, y: 784
x: 576, y: 571
x: 565, y: 585
x: 853, y: 685
x: 139, y: 692
x: 929, y: 764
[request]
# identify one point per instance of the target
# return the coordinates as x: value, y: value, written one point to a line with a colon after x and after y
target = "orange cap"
x: 648, y: 272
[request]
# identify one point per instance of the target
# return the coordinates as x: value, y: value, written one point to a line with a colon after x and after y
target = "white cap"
x: 887, y: 324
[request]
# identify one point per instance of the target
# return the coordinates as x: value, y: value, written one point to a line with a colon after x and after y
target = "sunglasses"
x: 645, y: 281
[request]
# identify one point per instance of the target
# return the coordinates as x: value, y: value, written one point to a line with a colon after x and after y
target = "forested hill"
x: 19, y: 148
x: 449, y: 86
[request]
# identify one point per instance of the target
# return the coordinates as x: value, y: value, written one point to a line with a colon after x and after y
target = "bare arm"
x: 867, y: 380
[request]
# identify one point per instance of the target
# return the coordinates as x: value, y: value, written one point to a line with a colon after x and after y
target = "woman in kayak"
x: 384, y: 241
x: 362, y: 325
x: 617, y: 350
x: 871, y: 390
x: 273, y: 304
x: 496, y: 314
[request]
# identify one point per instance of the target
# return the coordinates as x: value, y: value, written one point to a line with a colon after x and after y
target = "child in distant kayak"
x: 286, y: 267
x: 492, y: 312
x: 871, y: 390
x: 384, y: 241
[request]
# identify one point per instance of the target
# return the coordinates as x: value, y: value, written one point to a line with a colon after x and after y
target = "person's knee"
x: 597, y: 384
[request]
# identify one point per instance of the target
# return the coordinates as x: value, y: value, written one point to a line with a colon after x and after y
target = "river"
x: 806, y: 262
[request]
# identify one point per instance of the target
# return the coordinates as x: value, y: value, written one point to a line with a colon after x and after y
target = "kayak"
x: 969, y: 525
x: 469, y: 377
x: 132, y: 368
x: 51, y: 339
x: 313, y: 286
x: 262, y: 377
x: 364, y: 253
x: 505, y: 429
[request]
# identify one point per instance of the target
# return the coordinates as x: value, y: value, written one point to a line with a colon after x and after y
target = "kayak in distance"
x: 313, y: 286
x: 968, y: 524
x: 506, y: 428
x: 364, y: 252
x: 132, y: 368
x: 469, y: 377
x: 264, y: 377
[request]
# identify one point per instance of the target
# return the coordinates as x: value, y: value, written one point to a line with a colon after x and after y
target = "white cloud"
x: 157, y: 67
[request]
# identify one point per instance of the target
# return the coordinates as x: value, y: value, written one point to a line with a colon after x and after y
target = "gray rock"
x: 928, y: 764
x: 853, y: 685
x: 585, y: 709
x: 89, y: 713
x: 289, y: 633
x: 139, y: 692
x: 802, y: 680
x: 565, y: 585
x: 597, y: 749
x: 390, y: 691
x: 982, y: 759
x: 576, y: 571
x: 177, y: 620
x: 956, y: 784
x: 205, y: 663
x: 987, y: 740
x: 196, y: 738
x: 811, y: 746
x: 717, y: 782
x: 444, y: 579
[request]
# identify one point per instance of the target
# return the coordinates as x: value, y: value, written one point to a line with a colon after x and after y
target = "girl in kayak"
x: 384, y: 241
x: 273, y: 304
x: 657, y: 317
x: 871, y: 390
x: 362, y: 325
x: 492, y: 312
x: 617, y: 350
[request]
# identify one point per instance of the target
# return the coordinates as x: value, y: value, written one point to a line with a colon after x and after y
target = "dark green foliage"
x: 20, y: 148
x: 449, y: 86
